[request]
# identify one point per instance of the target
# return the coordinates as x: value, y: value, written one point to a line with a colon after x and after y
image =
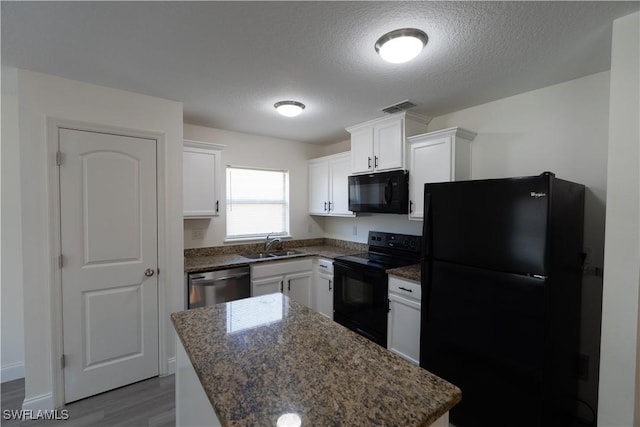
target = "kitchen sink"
x: 285, y: 253
x: 259, y: 255
x: 274, y: 254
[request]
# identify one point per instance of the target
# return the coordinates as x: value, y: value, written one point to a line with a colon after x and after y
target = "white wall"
x: 12, y: 311
x: 619, y: 388
x: 42, y: 97
x: 261, y: 152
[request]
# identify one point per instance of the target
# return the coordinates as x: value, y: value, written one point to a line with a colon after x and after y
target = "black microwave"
x: 384, y: 192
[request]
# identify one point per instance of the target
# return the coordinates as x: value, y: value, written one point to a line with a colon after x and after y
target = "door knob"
x: 149, y: 272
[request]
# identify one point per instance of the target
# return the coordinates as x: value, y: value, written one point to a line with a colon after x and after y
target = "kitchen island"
x: 269, y: 361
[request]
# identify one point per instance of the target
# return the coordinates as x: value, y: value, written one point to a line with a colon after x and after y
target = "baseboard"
x: 12, y: 371
x: 171, y: 362
x: 44, y: 402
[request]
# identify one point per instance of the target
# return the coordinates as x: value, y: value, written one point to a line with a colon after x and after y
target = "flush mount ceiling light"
x: 289, y: 108
x: 402, y: 45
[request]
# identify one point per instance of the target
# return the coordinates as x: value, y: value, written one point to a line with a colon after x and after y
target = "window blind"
x: 257, y: 202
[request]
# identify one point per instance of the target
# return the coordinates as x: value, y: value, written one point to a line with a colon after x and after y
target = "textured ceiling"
x: 229, y: 62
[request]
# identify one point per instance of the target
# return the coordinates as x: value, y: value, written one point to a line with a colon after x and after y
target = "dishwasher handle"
x: 202, y: 279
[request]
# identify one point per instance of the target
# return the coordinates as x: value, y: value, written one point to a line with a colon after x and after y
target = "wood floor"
x: 146, y: 403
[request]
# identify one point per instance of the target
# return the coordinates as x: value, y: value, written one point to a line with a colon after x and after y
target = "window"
x: 257, y: 202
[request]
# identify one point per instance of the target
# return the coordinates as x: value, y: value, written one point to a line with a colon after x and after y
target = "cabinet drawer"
x: 268, y: 269
x: 407, y: 288
x: 325, y: 266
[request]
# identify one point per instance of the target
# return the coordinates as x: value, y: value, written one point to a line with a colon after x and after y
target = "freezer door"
x: 498, y: 224
x: 486, y: 333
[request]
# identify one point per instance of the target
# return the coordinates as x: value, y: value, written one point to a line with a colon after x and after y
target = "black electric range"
x: 360, y: 298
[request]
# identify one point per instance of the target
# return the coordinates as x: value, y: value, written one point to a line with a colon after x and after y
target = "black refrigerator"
x: 501, y: 277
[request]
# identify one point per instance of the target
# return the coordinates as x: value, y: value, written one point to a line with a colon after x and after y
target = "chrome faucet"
x: 269, y: 242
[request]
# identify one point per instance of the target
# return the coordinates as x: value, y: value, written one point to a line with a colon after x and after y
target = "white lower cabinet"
x: 268, y: 285
x: 298, y: 287
x: 403, y: 321
x: 323, y: 289
x: 292, y: 278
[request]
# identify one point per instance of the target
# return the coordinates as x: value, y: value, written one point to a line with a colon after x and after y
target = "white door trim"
x: 55, y: 274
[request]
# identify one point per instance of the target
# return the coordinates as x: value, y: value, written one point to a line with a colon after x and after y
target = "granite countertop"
x: 259, y: 358
x: 410, y: 272
x: 194, y: 264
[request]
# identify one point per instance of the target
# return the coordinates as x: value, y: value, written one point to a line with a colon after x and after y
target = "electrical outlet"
x: 197, y: 234
x: 355, y: 230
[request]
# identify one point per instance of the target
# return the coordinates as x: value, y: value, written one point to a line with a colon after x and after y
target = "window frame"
x: 286, y: 202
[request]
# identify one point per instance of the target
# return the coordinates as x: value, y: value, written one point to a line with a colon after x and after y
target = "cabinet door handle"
x: 410, y: 206
x: 325, y: 206
x: 330, y: 206
x: 217, y: 206
x: 388, y: 305
x: 289, y: 285
x: 281, y: 285
x: 369, y: 162
x: 330, y: 282
x: 375, y: 162
x: 405, y: 289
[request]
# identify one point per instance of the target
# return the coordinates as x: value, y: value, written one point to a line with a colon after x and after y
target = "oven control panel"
x: 405, y: 242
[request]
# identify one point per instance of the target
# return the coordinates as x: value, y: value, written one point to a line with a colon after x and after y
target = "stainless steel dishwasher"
x: 213, y: 287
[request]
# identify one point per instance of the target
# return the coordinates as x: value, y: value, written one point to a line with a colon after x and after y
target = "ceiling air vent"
x: 400, y: 106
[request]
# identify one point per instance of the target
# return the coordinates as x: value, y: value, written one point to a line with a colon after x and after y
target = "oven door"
x: 360, y: 300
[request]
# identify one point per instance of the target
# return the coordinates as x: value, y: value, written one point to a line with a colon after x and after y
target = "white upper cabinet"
x: 440, y: 156
x: 379, y: 145
x: 318, y: 186
x: 200, y: 179
x: 328, y: 185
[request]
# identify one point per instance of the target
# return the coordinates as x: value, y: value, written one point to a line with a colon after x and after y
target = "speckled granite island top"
x: 259, y: 358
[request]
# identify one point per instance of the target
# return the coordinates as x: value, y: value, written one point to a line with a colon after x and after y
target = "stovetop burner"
x: 386, y: 251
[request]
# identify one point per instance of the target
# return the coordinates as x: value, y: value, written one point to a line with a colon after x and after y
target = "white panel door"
x: 340, y: 186
x: 108, y: 240
x: 268, y: 285
x: 298, y: 287
x: 323, y: 295
x: 362, y: 150
x: 388, y: 145
x: 199, y: 186
x: 403, y: 334
x: 319, y: 187
x: 429, y: 162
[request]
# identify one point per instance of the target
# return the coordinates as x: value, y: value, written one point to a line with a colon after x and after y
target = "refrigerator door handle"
x: 426, y: 230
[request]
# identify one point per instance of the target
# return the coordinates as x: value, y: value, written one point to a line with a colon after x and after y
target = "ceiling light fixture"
x: 402, y: 45
x: 289, y: 108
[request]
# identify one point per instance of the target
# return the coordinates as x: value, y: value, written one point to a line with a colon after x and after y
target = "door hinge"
x: 63, y: 361
x: 58, y: 158
x: 60, y: 261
